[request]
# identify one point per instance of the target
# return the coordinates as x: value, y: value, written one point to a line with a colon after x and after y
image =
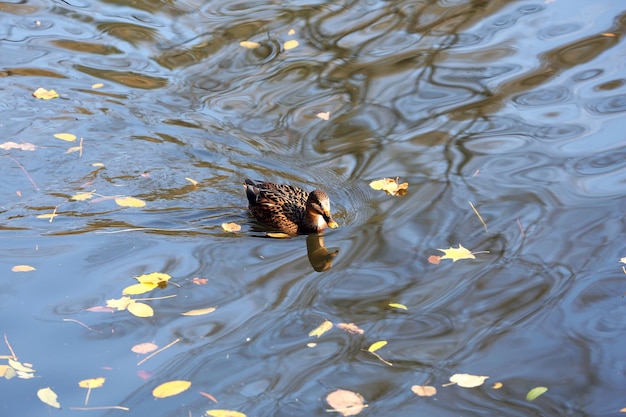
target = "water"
x: 515, y: 106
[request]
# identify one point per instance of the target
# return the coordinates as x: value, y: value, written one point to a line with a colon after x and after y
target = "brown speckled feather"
x: 284, y: 207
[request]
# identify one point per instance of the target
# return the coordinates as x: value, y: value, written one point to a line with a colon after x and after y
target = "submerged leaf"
x: 49, y: 397
x: 22, y: 146
x: 81, y: 196
x: 168, y: 389
x: 350, y: 328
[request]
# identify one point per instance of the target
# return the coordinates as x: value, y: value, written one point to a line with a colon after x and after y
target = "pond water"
x: 517, y: 107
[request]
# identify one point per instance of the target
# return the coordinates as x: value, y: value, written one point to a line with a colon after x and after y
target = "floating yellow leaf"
x: 249, y: 44
x: 6, y: 372
x: 65, y: 136
x: 457, y: 253
x: 290, y: 44
x: 49, y: 397
x: 21, y: 367
x: 376, y: 345
x: 129, y: 202
x: 22, y: 268
x: 199, y: 312
x: 467, y: 380
x: 191, y: 180
x: 120, y: 303
x: 92, y: 382
x: 224, y: 413
x: 97, y: 164
x: 140, y: 288
x: 346, y: 403
x: 81, y: 196
x: 323, y: 115
x: 231, y: 227
x: 396, y: 305
x: 144, y: 348
x: 167, y: 389
x: 156, y: 278
x: 535, y: 392
x: 277, y: 235
x: 44, y: 94
x: 140, y: 309
x: 97, y: 85
x: 321, y: 329
x: 424, y: 390
x: 390, y: 186
x: 291, y: 32
x: 47, y: 216
x: 497, y: 385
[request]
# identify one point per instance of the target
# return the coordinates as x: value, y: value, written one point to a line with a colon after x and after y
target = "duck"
x: 289, y: 209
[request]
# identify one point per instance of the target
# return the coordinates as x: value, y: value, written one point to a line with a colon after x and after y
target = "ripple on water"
x: 543, y: 97
x: 608, y: 105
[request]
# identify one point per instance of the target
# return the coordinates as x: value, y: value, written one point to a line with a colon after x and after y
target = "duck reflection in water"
x: 292, y: 210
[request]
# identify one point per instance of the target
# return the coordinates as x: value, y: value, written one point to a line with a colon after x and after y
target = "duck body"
x: 289, y: 209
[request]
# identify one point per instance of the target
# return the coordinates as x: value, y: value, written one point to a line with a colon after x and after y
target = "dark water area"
x: 515, y: 106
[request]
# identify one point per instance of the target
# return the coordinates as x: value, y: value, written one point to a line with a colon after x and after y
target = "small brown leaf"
x: 143, y: 348
x: 424, y: 390
x: 346, y: 403
x: 350, y: 328
x: 231, y: 227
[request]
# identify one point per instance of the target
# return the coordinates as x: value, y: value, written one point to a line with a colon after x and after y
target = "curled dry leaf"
x: 398, y: 305
x: 424, y: 390
x: 390, y: 186
x: 350, y: 328
x: 346, y: 403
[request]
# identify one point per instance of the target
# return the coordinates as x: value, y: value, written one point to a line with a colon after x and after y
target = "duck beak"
x: 329, y: 220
